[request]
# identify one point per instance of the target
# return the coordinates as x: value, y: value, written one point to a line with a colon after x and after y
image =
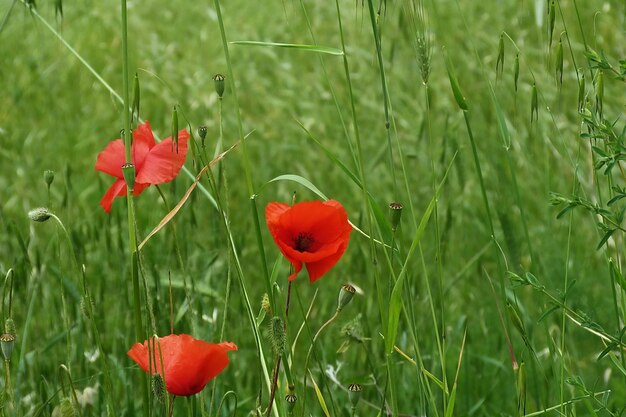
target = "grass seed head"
x: 278, y: 338
x: 158, y: 387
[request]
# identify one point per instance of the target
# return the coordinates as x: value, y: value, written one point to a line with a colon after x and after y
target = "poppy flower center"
x: 303, y: 241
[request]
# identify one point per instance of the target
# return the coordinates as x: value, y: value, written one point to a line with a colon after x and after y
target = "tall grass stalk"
x: 245, y: 158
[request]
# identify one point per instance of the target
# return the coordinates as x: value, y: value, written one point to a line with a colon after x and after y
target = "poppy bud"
x: 202, y: 133
x: 396, y: 213
x: 158, y: 387
x: 277, y: 335
x: 354, y: 393
x: 345, y: 295
x: 290, y: 399
x: 67, y: 408
x: 265, y: 304
x: 7, y: 342
x: 48, y: 177
x: 219, y: 84
x: 128, y: 170
x: 40, y: 214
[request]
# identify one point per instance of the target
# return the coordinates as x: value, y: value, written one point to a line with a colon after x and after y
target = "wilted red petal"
x: 143, y: 141
x: 164, y: 161
x: 111, y: 159
x: 116, y: 189
x: 189, y: 364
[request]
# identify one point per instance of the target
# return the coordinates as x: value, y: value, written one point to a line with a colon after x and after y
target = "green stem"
x: 244, y: 151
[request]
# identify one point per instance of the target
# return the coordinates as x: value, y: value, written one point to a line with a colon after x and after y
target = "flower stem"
x: 132, y: 236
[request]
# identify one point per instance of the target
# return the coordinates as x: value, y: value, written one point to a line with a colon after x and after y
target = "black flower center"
x: 303, y: 241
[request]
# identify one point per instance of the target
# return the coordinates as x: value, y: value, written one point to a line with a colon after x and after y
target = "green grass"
x: 56, y: 115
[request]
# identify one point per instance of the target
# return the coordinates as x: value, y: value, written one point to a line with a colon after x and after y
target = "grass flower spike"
x: 188, y: 364
x: 315, y: 233
x: 154, y: 163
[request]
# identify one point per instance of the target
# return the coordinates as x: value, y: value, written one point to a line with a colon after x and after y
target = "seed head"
x: 290, y: 399
x: 354, y: 393
x: 128, y: 171
x: 7, y: 342
x: 219, y: 79
x: 158, y: 387
x: 396, y: 213
x: 345, y: 296
x: 40, y: 214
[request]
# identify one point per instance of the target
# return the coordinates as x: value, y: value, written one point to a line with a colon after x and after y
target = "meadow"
x: 477, y: 148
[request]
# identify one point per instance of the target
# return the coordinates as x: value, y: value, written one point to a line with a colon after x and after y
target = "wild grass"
x: 497, y: 125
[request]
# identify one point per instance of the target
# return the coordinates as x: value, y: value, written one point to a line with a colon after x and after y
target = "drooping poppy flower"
x: 315, y: 233
x: 154, y: 163
x: 188, y: 364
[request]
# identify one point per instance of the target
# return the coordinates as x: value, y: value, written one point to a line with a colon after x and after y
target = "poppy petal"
x: 317, y: 269
x: 111, y: 159
x: 118, y: 188
x: 164, y: 161
x: 143, y: 141
x: 315, y: 233
x: 139, y: 187
x: 188, y: 364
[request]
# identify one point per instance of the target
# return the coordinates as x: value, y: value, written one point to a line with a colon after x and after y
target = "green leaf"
x: 320, y: 398
x: 309, y: 48
x: 300, y: 180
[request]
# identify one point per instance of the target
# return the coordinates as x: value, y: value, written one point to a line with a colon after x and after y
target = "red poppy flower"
x: 189, y: 364
x: 154, y: 163
x: 315, y: 233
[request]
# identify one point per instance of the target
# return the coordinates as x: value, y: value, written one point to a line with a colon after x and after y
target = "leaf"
x: 320, y: 398
x: 309, y: 48
x: 395, y: 302
x: 300, y: 180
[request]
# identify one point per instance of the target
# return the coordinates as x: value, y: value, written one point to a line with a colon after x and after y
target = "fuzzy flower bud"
x: 158, y: 387
x: 40, y: 214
